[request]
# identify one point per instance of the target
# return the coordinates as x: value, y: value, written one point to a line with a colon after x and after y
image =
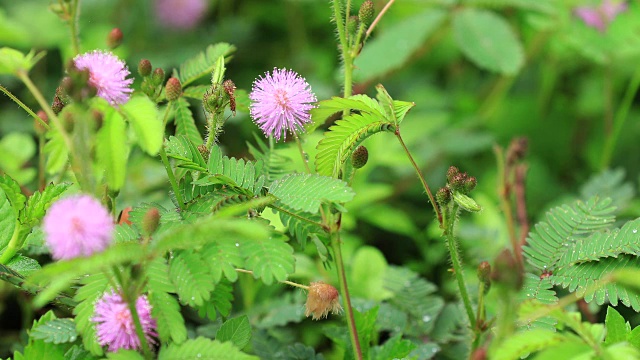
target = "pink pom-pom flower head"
x: 107, y: 74
x: 77, y: 226
x: 115, y: 327
x: 281, y: 102
x: 599, y: 17
x: 181, y: 14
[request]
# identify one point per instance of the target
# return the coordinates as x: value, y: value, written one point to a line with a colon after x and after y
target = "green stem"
x: 289, y: 213
x: 353, y: 331
x: 42, y: 181
x: 73, y: 25
x: 14, y: 244
x: 344, y: 46
x: 304, y: 287
x: 23, y: 106
x: 505, y: 203
x: 457, y: 265
x: 420, y: 176
x: 172, y: 177
x: 131, y: 300
x: 619, y: 120
x: 303, y: 154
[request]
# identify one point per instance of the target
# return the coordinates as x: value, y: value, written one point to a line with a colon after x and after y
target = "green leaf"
x: 158, y: 280
x: 488, y: 40
x: 385, y: 53
x: 393, y: 348
x: 465, y: 202
x: 24, y: 265
x: 306, y: 192
x: 8, y: 217
x: 564, y: 225
x: 56, y: 151
x: 94, y: 286
x: 40, y: 349
x: 368, y: 268
x: 617, y: 327
x: 17, y: 149
x: 300, y: 351
x: 12, y: 61
x: 55, y: 331
x: 236, y: 330
x: 59, y: 275
x: 185, y: 124
x: 147, y: 124
x: 112, y: 150
x: 13, y: 193
x: 223, y: 256
x: 269, y: 258
x: 190, y: 276
x: 209, y: 230
x: 343, y: 137
x: 125, y: 355
x: 362, y: 103
x: 38, y: 203
x: 203, y: 63
x: 166, y: 310
x: 524, y: 343
x: 202, y: 348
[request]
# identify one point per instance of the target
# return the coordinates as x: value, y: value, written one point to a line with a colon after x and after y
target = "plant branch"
x: 504, y: 193
x: 172, y: 177
x: 283, y: 210
x: 23, y: 106
x: 420, y: 176
x: 377, y: 19
x: 351, y: 322
x: 521, y: 204
x: 287, y: 282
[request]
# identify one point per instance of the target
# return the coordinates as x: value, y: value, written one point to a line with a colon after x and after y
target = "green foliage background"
x: 480, y: 75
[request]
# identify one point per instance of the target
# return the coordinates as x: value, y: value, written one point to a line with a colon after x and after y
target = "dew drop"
x: 634, y: 231
x: 237, y: 244
x: 426, y: 318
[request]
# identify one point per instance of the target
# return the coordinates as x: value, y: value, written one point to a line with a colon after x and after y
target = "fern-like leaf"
x: 56, y: 331
x: 275, y: 164
x: 185, y: 124
x: 583, y: 278
x: 181, y: 148
x: 298, y: 228
x: 306, y: 192
x: 202, y: 348
x: 203, y: 63
x: 13, y: 193
x: 190, y: 276
x: 526, y: 342
x: 540, y: 288
x: 237, y: 173
x: 166, y: 310
x: 361, y: 103
x: 93, y: 287
x: 269, y: 259
x: 343, y: 137
x: 565, y: 225
x: 39, y: 202
x: 223, y: 257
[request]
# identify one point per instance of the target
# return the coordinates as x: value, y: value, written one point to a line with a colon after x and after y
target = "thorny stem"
x: 351, y: 322
x: 23, y: 106
x: 421, y: 177
x: 619, y: 120
x: 377, y: 19
x: 457, y: 264
x: 344, y: 47
x: 304, y: 287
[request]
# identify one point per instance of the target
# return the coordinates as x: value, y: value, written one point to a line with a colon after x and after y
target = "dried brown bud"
x: 204, y: 151
x: 451, y: 173
x: 322, y: 299
x: 114, y: 39
x: 470, y: 184
x: 443, y: 196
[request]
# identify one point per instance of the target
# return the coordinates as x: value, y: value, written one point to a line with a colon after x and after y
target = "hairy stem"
x: 457, y: 265
x: 351, y: 322
x: 421, y: 177
x: 505, y: 202
x: 344, y: 46
x: 24, y: 107
x: 73, y: 25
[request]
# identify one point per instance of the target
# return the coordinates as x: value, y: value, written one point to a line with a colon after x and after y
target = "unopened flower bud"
x: 150, y: 221
x: 359, y: 157
x: 484, y: 275
x: 479, y: 354
x: 230, y: 89
x: 38, y: 125
x: 443, y: 196
x: 144, y: 67
x: 157, y: 77
x: 98, y: 118
x: 470, y: 184
x: 114, y: 39
x: 204, y: 151
x: 57, y: 105
x: 506, y: 271
x: 352, y: 25
x: 451, y: 173
x: 322, y: 299
x: 458, y: 182
x: 366, y: 12
x: 173, y: 89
